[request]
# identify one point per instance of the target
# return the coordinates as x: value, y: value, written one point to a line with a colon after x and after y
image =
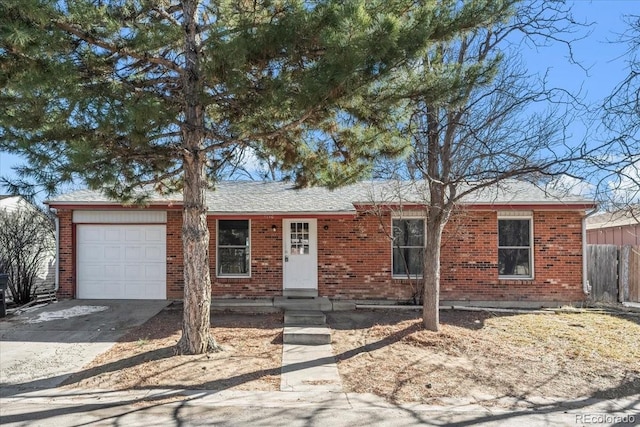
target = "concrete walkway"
x: 308, y: 364
x: 309, y: 368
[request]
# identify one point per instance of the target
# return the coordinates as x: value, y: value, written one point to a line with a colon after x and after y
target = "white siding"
x: 120, y: 217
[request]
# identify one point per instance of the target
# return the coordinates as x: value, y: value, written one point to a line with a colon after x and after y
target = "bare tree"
x: 27, y: 240
x: 492, y: 121
x: 617, y: 159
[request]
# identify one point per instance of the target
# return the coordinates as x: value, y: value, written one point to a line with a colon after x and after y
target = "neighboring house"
x: 621, y: 227
x: 13, y: 203
x: 515, y: 245
x: 46, y: 274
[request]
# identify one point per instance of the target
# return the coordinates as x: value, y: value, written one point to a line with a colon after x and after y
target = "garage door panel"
x: 113, y: 289
x: 134, y: 235
x: 153, y: 253
x: 154, y: 236
x: 94, y: 270
x: 112, y: 234
x: 153, y: 272
x: 112, y: 271
x: 134, y: 273
x: 111, y: 253
x: 133, y: 253
x: 91, y: 235
x: 91, y: 253
x: 102, y: 272
x: 121, y: 261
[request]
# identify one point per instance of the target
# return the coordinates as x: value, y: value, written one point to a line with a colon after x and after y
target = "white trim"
x: 408, y: 215
x: 120, y: 217
x: 528, y: 215
x: 403, y: 213
x: 309, y: 282
x: 586, y: 286
x: 511, y: 214
x: 232, y: 276
x: 99, y: 278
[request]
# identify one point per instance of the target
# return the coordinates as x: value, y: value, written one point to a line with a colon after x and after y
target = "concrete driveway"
x: 41, y: 348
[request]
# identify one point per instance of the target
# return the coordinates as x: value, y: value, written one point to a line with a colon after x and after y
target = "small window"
x: 408, y: 247
x: 233, y: 248
x: 515, y: 248
x: 299, y: 238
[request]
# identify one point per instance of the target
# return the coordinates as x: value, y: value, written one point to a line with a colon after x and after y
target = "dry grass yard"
x: 483, y: 354
x: 476, y: 354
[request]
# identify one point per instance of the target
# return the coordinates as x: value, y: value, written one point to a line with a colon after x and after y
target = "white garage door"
x: 121, y: 261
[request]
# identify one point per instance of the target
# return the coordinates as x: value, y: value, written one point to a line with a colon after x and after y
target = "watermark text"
x: 605, y: 419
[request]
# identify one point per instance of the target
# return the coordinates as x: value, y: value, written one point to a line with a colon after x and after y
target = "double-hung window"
x: 233, y: 248
x: 408, y: 247
x: 515, y: 247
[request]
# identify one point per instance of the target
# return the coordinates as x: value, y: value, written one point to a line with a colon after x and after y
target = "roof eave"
x: 109, y: 205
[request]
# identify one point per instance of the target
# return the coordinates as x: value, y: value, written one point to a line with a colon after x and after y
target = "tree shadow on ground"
x: 169, y: 322
x: 364, y: 319
x: 518, y: 415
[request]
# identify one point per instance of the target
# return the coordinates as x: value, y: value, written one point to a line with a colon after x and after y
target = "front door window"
x: 299, y: 238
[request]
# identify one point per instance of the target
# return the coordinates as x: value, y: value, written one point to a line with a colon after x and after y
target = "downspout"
x: 56, y: 221
x: 586, y: 286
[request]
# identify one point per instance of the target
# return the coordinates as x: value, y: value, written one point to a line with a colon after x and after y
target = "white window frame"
x: 248, y: 246
x: 505, y: 216
x: 393, y: 246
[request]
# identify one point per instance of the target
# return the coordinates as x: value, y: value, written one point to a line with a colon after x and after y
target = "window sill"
x: 515, y: 280
x: 234, y: 276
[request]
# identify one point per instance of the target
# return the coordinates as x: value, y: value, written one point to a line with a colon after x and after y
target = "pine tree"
x: 126, y: 93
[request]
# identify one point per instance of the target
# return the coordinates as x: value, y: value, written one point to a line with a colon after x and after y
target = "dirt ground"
x: 145, y: 358
x: 483, y: 354
x: 388, y: 353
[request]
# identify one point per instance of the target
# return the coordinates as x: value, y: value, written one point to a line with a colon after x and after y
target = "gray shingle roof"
x: 276, y: 197
x: 87, y: 196
x: 620, y: 218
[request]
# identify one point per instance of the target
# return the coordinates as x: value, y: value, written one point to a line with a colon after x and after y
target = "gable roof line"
x: 271, y: 197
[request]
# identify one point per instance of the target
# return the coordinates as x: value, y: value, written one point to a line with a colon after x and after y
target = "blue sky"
x: 604, y: 61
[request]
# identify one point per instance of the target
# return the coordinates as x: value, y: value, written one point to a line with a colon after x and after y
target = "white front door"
x: 300, y: 253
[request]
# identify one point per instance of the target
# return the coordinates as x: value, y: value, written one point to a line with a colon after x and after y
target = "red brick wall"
x: 266, y: 263
x: 66, y: 256
x: 470, y: 253
x: 354, y: 259
x: 175, y: 271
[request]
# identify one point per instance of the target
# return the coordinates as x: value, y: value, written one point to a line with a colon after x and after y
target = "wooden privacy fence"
x: 629, y: 280
x: 614, y: 273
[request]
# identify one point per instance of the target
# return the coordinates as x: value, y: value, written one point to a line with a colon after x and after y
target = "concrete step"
x: 306, y: 335
x: 304, y: 318
x: 301, y: 304
x: 300, y: 293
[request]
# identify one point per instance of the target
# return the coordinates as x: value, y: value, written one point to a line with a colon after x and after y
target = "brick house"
x: 514, y: 245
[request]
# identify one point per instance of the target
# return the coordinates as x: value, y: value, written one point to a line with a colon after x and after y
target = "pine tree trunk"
x: 431, y: 276
x: 196, y: 337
